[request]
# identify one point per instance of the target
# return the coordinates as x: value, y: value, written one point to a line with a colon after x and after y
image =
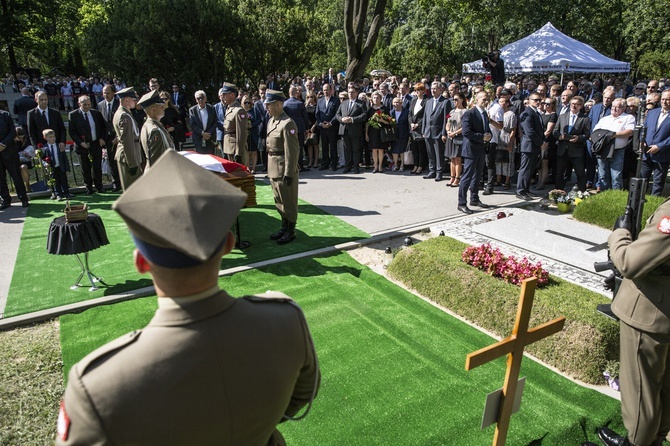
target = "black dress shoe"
x: 347, y: 170
x: 524, y: 197
x: 323, y: 167
x: 25, y: 203
x: 90, y: 191
x: 304, y: 169
x: 438, y: 179
x: 357, y: 170
x: 430, y: 176
x: 466, y: 210
x: 487, y: 192
x: 479, y: 204
x: 611, y: 438
x: 532, y: 195
x: 5, y: 205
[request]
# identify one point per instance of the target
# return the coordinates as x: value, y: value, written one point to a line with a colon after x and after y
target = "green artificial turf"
x: 393, y: 365
x: 41, y: 280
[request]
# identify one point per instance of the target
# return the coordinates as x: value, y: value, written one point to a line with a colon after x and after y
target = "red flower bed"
x: 511, y: 270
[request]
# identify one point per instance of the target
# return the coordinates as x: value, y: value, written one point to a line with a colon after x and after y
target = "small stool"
x: 78, y: 238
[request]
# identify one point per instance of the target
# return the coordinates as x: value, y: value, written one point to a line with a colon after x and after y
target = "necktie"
x: 351, y: 106
x: 572, y: 122
x: 87, y: 125
x: 46, y: 116
x: 175, y: 99
x: 109, y: 111
x: 487, y: 129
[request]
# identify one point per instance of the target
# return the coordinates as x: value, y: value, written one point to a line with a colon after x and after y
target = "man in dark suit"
x: 476, y: 133
x: 179, y: 99
x: 532, y: 142
x: 326, y: 109
x: 434, y: 130
x: 202, y: 118
x: 295, y: 109
x: 107, y: 107
x: 22, y: 106
x: 9, y: 162
x: 87, y: 130
x: 41, y: 118
x: 220, y: 108
x: 571, y: 132
x: 656, y: 156
x: 352, y: 116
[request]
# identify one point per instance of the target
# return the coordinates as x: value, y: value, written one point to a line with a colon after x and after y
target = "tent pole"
x: 562, y: 72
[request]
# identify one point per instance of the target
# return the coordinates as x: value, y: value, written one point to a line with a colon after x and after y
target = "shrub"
x: 434, y: 269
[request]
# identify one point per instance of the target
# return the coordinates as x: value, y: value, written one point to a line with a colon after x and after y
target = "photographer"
x: 493, y: 63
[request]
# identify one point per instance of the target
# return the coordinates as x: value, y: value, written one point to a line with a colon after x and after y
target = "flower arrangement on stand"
x: 494, y: 262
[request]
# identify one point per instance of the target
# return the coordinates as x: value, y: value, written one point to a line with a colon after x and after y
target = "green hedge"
x: 588, y: 340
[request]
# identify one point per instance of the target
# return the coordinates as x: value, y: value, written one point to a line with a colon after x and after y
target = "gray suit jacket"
x: 435, y: 118
x: 359, y: 115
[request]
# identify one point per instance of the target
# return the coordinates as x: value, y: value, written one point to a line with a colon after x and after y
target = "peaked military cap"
x: 228, y: 88
x: 128, y: 92
x: 151, y: 98
x: 274, y: 95
x: 178, y: 213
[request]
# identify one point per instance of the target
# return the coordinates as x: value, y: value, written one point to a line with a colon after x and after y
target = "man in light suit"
x: 571, y: 133
x: 656, y: 156
x: 108, y: 106
x: 352, y: 116
x: 434, y: 130
x: 192, y: 375
x: 41, y: 118
x: 22, y: 106
x: 87, y: 130
x: 295, y: 109
x: 326, y: 109
x: 202, y: 118
x: 476, y: 133
x: 532, y: 142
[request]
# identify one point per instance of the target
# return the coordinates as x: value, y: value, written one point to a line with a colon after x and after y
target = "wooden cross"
x: 513, y: 346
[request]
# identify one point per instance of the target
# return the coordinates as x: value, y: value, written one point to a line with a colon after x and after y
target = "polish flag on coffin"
x: 215, y: 163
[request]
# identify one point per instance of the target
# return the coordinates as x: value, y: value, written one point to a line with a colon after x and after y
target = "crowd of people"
x: 389, y: 124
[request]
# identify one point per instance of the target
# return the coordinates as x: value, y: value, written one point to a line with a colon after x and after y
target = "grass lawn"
x: 604, y: 208
x: 393, y: 365
x: 42, y: 280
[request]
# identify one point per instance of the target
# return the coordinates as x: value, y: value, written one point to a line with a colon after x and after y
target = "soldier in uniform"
x: 235, y: 126
x: 128, y: 150
x: 283, y: 151
x: 192, y: 375
x: 154, y: 138
x: 643, y: 307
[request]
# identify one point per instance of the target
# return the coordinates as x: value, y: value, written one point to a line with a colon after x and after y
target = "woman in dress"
x: 373, y: 134
x: 506, y: 141
x: 452, y: 149
x: 312, y: 140
x: 26, y: 155
x: 399, y: 146
x: 549, y: 119
x: 416, y: 110
x: 171, y: 120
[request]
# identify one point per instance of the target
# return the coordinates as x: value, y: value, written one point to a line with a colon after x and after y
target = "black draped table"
x: 78, y: 238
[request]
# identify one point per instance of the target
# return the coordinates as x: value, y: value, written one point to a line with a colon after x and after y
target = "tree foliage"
x: 203, y: 42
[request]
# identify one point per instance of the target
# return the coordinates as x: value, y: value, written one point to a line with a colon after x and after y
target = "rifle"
x: 634, y: 207
x: 639, y: 136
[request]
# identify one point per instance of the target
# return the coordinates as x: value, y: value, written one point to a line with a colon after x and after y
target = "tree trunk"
x: 359, y: 51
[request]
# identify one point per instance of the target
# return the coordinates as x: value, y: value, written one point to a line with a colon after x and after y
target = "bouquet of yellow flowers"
x: 380, y: 118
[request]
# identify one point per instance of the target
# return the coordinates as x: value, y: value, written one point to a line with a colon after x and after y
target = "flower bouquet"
x: 492, y: 261
x: 563, y: 203
x: 380, y: 118
x: 581, y: 196
x: 555, y: 194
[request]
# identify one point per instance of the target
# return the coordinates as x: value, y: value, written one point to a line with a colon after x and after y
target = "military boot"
x: 277, y: 235
x: 289, y: 235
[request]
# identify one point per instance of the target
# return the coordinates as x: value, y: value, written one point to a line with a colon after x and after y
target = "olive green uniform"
x: 209, y: 369
x: 128, y: 149
x: 235, y: 130
x: 155, y: 140
x: 643, y: 306
x: 283, y: 151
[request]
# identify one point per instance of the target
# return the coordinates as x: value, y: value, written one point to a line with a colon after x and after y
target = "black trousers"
x: 658, y: 172
x: 113, y: 166
x: 9, y: 162
x: 491, y: 165
x: 92, y: 163
x: 329, y: 146
x: 353, y: 149
x: 579, y: 165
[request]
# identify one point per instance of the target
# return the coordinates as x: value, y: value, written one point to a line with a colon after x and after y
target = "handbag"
x: 387, y: 134
x: 457, y: 140
x: 408, y: 157
x: 502, y: 156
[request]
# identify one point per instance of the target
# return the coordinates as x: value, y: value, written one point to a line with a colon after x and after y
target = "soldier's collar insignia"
x: 664, y: 225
